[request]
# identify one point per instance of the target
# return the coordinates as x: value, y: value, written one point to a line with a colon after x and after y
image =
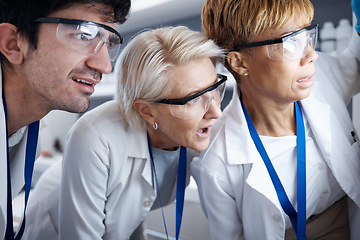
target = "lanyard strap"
x: 298, y: 219
x: 180, y: 188
x: 31, y: 144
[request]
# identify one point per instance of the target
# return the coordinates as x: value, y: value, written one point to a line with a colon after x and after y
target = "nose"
x: 213, y: 110
x: 310, y: 56
x: 100, y: 61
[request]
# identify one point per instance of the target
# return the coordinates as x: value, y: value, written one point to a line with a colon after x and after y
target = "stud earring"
x: 246, y: 74
x: 155, y: 125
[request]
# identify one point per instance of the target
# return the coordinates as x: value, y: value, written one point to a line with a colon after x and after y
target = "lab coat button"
x: 147, y: 204
x: 277, y: 218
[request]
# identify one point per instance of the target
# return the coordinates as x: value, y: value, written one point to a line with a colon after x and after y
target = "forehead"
x: 94, y: 12
x: 192, y: 77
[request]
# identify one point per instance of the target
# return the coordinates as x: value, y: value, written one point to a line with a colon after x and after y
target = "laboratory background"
x: 335, y: 19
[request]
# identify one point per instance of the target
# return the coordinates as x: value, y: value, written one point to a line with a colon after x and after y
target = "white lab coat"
x: 17, y: 164
x: 108, y: 166
x: 235, y: 189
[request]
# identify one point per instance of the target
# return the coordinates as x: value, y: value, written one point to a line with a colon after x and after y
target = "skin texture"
x: 40, y: 80
x: 270, y: 87
x: 188, y: 79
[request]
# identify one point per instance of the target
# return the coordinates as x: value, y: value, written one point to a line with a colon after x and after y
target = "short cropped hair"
x: 21, y: 13
x: 145, y: 62
x: 234, y: 22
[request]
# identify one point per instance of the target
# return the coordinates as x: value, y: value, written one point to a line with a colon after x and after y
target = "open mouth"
x: 203, y: 132
x: 305, y: 82
x: 83, y: 81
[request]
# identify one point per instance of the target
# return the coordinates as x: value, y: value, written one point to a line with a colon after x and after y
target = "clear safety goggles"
x: 84, y: 36
x: 289, y: 48
x: 198, y: 104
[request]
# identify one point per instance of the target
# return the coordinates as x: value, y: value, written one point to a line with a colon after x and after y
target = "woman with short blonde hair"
x: 128, y: 156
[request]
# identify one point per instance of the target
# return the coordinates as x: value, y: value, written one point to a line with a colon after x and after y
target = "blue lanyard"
x: 180, y: 188
x: 298, y: 219
x: 32, y: 139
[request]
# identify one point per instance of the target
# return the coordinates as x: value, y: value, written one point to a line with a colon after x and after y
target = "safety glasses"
x: 198, y: 104
x: 289, y: 48
x: 84, y: 36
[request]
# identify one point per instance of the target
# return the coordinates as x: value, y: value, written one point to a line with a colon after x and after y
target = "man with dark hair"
x: 52, y: 54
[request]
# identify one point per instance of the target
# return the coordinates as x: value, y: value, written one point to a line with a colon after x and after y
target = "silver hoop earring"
x: 155, y: 125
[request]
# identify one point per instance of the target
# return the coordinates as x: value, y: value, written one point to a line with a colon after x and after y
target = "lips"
x: 84, y: 81
x: 203, y: 132
x: 305, y: 82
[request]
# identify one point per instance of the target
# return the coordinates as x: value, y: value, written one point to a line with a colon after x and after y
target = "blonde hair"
x: 146, y: 60
x: 233, y: 22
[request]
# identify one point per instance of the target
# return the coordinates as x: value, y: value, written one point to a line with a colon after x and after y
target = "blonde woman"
x: 127, y: 156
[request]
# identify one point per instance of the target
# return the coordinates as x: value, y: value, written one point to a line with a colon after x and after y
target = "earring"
x: 246, y: 74
x: 155, y: 125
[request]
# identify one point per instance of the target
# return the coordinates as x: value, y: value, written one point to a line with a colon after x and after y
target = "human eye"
x: 83, y: 36
x: 193, y: 101
x: 87, y: 32
x: 78, y: 34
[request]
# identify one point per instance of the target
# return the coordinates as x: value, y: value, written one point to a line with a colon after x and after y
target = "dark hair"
x: 21, y: 13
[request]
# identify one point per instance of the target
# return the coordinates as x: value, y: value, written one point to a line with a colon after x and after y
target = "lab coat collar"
x: 139, y: 138
x: 241, y: 148
x: 239, y: 145
x: 3, y: 164
x: 321, y: 129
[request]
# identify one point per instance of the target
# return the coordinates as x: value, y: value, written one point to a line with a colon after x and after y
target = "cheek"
x: 183, y: 127
x: 281, y: 72
x: 183, y: 130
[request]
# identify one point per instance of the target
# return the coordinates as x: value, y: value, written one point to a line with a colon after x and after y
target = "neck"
x: 22, y: 107
x: 159, y: 140
x: 271, y: 118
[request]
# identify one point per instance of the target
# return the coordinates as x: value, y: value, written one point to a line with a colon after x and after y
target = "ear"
x: 237, y: 62
x: 10, y: 43
x: 145, y: 109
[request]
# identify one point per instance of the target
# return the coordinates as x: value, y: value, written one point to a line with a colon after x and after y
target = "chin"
x: 80, y: 108
x: 200, y: 146
x: 305, y: 94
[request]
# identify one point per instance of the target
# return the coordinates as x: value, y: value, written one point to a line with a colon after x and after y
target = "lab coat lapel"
x: 242, y: 150
x: 147, y: 172
x: 315, y: 112
x: 338, y: 149
x: 140, y: 151
x: 3, y: 165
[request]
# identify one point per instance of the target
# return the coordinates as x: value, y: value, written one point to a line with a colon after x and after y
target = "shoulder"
x: 102, y: 131
x: 104, y: 122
